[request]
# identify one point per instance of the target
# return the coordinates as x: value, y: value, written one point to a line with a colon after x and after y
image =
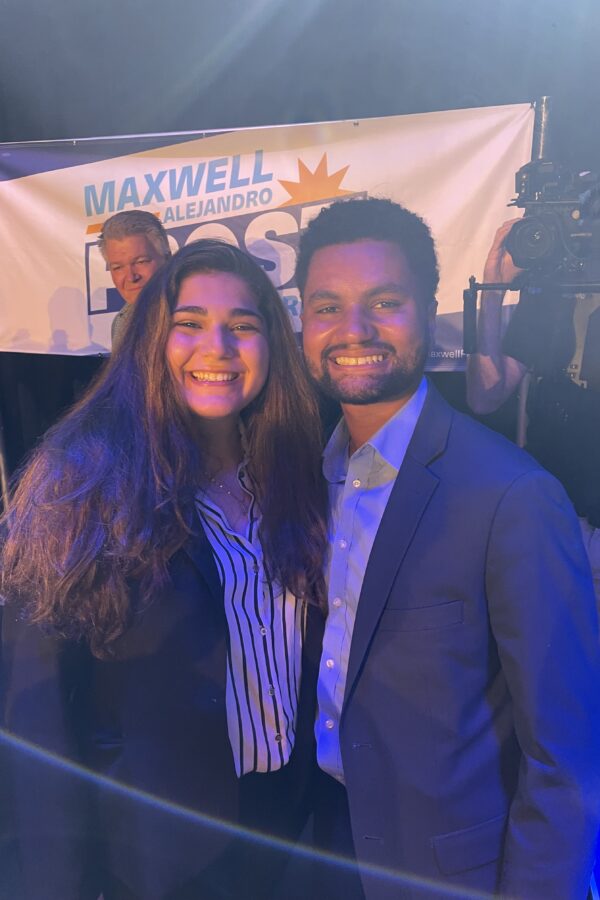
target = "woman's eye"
x: 187, y: 323
x: 244, y: 326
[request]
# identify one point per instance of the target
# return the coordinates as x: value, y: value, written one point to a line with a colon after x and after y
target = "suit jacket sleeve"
x: 543, y: 617
x: 43, y: 678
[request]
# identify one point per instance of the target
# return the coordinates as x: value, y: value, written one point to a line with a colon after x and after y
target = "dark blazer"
x: 470, y: 729
x: 151, y: 800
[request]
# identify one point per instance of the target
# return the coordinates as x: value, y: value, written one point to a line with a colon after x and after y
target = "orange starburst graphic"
x: 317, y: 185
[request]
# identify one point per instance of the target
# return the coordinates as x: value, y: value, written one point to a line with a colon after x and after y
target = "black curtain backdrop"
x: 72, y: 69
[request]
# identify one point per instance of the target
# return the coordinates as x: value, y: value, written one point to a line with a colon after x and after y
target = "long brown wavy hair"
x: 107, y: 498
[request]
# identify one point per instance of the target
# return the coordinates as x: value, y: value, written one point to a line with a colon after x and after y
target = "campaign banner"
x: 257, y: 188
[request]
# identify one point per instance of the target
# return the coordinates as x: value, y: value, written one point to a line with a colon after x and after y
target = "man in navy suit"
x: 458, y: 729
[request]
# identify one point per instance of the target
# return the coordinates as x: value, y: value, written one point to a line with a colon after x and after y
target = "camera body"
x: 558, y: 238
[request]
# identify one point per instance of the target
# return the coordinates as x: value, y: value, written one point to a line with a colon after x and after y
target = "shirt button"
x: 330, y: 664
x: 263, y: 630
x: 356, y: 482
x: 278, y: 738
x: 343, y: 544
x: 329, y: 723
x: 337, y: 602
x: 271, y: 690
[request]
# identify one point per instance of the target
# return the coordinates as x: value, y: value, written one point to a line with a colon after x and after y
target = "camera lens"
x: 533, y: 241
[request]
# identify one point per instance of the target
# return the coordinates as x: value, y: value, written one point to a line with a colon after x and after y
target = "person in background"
x: 162, y: 570
x: 555, y: 336
x: 134, y: 245
x: 459, y: 685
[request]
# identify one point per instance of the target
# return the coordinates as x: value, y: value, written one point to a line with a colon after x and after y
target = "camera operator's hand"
x: 499, y: 266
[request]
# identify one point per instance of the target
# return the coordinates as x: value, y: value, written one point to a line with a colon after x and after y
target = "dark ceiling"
x: 74, y: 68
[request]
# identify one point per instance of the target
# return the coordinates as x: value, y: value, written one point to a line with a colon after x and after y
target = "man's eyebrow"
x: 135, y: 259
x: 202, y: 311
x: 389, y: 287
x: 322, y: 295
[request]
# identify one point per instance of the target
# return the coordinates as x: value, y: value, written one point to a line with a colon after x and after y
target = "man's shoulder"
x: 468, y: 429
x: 478, y: 451
x: 477, y: 468
x: 119, y: 322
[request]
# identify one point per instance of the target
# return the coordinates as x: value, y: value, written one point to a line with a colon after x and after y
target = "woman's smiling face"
x: 218, y: 350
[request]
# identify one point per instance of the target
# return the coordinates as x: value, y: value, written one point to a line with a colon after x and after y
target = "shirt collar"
x: 389, y: 443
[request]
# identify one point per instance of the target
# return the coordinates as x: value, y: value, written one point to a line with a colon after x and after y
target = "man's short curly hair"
x: 373, y: 219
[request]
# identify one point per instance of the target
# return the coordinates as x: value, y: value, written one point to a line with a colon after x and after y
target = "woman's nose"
x: 218, y: 342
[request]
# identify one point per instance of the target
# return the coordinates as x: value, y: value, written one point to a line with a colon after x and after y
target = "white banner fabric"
x: 257, y: 188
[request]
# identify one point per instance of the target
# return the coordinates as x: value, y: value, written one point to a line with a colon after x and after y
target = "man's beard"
x: 402, y: 379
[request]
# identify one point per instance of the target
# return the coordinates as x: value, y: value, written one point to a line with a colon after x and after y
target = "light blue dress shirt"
x: 359, y: 489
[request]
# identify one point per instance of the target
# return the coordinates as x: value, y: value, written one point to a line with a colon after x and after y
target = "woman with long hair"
x: 162, y: 574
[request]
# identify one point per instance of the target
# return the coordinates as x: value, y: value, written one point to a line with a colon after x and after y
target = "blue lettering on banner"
x: 129, y: 194
x: 185, y: 181
x: 260, y: 176
x: 236, y: 180
x: 154, y: 193
x: 292, y: 304
x: 227, y: 173
x: 216, y: 206
x: 99, y: 206
x: 217, y: 175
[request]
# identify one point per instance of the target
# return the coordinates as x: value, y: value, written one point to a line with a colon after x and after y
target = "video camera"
x: 556, y: 243
x: 558, y: 239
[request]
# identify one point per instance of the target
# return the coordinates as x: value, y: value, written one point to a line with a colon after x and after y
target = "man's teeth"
x: 214, y: 376
x: 359, y: 360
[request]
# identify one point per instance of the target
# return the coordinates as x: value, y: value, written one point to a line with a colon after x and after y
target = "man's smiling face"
x: 366, y: 330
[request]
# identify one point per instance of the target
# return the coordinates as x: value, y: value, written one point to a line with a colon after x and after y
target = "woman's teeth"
x: 214, y: 376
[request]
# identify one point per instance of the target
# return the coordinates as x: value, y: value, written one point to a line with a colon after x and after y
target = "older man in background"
x: 135, y: 245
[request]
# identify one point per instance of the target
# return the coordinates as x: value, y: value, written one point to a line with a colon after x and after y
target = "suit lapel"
x: 412, y: 491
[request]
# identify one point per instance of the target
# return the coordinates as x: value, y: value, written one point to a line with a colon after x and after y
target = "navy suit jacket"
x: 470, y: 730
x: 152, y: 799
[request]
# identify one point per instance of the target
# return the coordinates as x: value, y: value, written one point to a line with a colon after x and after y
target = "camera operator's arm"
x: 491, y: 375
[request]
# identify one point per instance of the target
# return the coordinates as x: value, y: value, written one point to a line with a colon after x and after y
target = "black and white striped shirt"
x: 266, y: 626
